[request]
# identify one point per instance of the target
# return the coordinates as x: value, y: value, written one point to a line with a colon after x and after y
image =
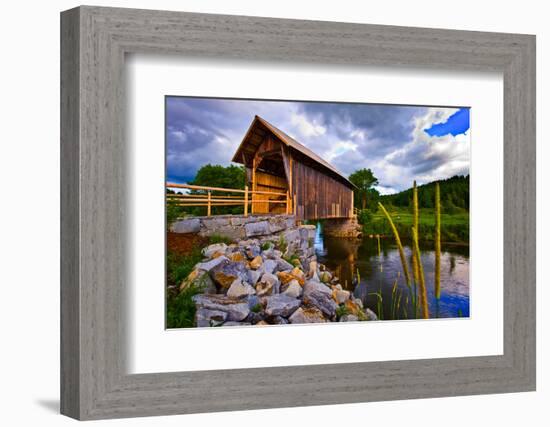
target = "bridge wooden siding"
x: 276, y: 162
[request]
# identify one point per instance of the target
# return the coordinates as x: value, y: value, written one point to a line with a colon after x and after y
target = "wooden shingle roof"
x: 254, y: 137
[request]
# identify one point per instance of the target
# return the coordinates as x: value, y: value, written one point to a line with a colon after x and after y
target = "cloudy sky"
x: 399, y: 143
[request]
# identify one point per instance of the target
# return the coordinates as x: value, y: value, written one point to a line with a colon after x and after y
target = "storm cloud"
x: 399, y: 143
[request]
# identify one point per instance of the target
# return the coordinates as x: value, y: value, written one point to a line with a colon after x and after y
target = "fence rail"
x: 246, y: 198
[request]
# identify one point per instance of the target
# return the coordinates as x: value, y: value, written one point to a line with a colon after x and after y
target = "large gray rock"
x: 209, y: 265
x: 252, y: 301
x: 233, y: 233
x: 254, y: 276
x: 232, y: 323
x: 212, y: 249
x: 205, y: 318
x: 291, y: 236
x: 225, y: 273
x: 191, y: 225
x: 239, y: 289
x: 283, y: 265
x: 276, y: 320
x: 235, y: 308
x: 281, y: 305
x: 349, y: 318
x: 269, y: 284
x: 260, y: 228
x: 307, y: 231
x: 215, y: 223
x: 277, y: 223
x: 241, y: 220
x: 318, y: 295
x: 307, y: 315
x: 270, y: 265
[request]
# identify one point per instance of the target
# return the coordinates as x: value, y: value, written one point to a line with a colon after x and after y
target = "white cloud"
x: 305, y: 127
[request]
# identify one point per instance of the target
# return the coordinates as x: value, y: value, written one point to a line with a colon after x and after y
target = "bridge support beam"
x: 342, y: 227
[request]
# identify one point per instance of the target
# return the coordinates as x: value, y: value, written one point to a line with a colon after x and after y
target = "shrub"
x: 181, y: 309
x: 364, y: 216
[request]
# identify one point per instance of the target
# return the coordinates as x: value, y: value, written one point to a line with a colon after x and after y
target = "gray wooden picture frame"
x: 94, y: 41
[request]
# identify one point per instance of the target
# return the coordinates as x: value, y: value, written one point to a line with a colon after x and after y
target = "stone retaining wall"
x: 342, y: 227
x: 281, y: 229
x: 235, y: 226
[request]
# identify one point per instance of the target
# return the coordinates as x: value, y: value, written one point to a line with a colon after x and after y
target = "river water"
x: 346, y: 257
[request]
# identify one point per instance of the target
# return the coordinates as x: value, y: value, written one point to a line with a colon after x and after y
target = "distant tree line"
x: 455, y: 195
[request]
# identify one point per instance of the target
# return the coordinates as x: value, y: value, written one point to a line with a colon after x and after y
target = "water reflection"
x: 378, y: 274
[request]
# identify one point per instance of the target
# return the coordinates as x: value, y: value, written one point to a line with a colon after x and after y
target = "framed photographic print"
x: 242, y: 198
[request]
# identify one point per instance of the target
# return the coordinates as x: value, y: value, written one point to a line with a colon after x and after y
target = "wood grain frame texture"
x: 94, y: 41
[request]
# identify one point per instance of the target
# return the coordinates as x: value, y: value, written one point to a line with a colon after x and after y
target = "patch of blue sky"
x: 456, y: 124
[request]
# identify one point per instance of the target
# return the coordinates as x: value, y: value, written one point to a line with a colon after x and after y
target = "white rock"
x: 212, y: 249
x: 341, y: 296
x: 207, y: 266
x: 239, y: 289
x: 293, y: 289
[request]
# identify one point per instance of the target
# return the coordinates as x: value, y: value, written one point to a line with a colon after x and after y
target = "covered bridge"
x: 276, y: 162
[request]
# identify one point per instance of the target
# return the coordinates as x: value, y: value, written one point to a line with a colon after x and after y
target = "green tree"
x: 219, y: 176
x: 364, y: 180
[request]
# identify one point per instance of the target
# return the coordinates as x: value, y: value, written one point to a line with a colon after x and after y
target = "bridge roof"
x: 254, y: 137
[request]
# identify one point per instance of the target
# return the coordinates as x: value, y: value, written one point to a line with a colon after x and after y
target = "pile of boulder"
x: 253, y: 282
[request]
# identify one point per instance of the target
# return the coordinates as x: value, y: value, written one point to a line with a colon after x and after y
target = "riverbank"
x: 258, y: 282
x: 455, y: 227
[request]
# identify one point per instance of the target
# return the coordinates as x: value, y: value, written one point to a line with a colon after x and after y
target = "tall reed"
x: 415, y: 225
x: 379, y: 254
x: 399, y: 245
x: 437, y: 275
x: 415, y: 261
x: 422, y: 283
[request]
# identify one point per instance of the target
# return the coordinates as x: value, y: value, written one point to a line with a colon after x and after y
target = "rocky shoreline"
x: 269, y: 281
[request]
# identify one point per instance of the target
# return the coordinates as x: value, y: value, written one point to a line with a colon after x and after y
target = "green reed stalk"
x: 415, y: 261
x: 399, y: 301
x: 422, y: 283
x: 393, y: 300
x: 379, y: 254
x: 415, y: 225
x: 399, y: 245
x: 379, y: 304
x: 437, y: 242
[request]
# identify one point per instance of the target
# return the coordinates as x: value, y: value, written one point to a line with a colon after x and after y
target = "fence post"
x: 209, y: 211
x: 246, y: 200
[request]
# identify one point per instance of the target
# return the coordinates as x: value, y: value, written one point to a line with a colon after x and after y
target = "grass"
x: 178, y: 267
x: 181, y: 309
x: 455, y: 227
x: 342, y: 310
x: 266, y: 246
x: 218, y: 238
x: 282, y: 244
